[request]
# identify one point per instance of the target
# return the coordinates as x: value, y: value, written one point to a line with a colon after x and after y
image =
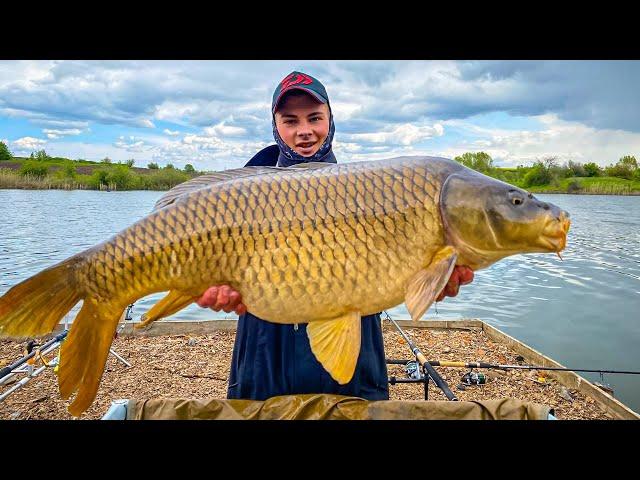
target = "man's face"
x: 303, y: 123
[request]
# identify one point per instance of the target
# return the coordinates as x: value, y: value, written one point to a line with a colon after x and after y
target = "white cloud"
x: 53, y: 133
x: 171, y: 133
x: 406, y: 134
x: 131, y: 144
x: 222, y: 130
x: 343, y: 111
x: 28, y: 143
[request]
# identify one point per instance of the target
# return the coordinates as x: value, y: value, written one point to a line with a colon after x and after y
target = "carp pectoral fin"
x: 336, y: 345
x: 427, y: 284
x: 173, y: 302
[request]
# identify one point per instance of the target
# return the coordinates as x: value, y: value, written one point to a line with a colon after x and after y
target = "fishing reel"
x: 474, y: 378
x: 413, y: 370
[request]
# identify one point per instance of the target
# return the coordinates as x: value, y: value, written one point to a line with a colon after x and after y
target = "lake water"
x: 583, y: 312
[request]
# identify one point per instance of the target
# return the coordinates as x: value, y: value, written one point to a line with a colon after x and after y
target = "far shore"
x: 115, y: 190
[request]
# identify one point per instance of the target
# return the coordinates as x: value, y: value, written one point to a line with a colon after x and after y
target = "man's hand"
x: 461, y: 275
x: 222, y: 297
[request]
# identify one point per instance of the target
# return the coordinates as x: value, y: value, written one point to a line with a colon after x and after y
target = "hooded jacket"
x: 271, y: 359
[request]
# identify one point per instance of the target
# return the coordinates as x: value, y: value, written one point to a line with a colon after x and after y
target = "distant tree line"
x: 103, y: 174
x: 548, y: 171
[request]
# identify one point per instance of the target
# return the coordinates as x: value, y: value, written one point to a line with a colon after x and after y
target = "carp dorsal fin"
x: 427, y: 284
x: 336, y: 345
x: 205, y: 181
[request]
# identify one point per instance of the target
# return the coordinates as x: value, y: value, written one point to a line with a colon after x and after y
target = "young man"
x: 271, y: 359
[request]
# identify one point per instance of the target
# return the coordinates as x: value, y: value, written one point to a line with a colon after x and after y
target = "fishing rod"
x: 10, y: 371
x: 6, y: 371
x: 428, y: 369
x: 25, y: 380
x: 438, y: 363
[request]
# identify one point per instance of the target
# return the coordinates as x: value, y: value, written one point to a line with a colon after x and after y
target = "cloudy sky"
x: 216, y: 114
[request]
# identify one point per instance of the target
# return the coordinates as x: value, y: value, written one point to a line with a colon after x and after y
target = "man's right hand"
x: 222, y: 297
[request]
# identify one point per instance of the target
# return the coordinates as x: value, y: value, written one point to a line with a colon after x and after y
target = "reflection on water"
x: 582, y: 311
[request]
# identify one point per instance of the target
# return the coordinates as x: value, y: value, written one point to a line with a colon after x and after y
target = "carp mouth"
x: 554, y: 234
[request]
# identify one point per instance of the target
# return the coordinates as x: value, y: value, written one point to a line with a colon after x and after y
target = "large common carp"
x: 317, y: 243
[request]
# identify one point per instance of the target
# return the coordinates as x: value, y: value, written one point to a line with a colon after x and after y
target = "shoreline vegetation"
x: 41, y: 171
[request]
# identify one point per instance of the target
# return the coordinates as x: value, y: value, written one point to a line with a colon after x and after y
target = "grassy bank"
x: 591, y: 186
x: 62, y: 173
x: 44, y: 172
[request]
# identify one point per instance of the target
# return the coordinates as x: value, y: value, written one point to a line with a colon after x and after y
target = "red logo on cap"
x: 295, y: 79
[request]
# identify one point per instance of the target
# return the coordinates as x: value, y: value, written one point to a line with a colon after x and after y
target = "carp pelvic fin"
x: 173, y: 302
x: 425, y: 286
x: 336, y: 345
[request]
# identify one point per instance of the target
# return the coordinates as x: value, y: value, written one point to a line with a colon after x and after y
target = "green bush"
x: 121, y: 178
x: 573, y: 187
x: 163, y: 179
x: 626, y: 167
x: 619, y: 170
x: 99, y: 177
x: 592, y: 169
x: 68, y: 169
x: 538, y: 175
x: 574, y: 169
x: 153, y: 166
x: 34, y: 168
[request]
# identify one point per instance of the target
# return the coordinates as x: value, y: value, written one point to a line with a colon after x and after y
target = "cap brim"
x: 316, y: 95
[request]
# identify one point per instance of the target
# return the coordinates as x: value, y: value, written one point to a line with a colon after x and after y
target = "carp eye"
x: 516, y: 197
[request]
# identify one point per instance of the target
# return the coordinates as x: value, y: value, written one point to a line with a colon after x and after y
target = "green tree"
x: 188, y: 168
x: 629, y: 161
x: 592, y: 169
x: 169, y: 166
x: 105, y: 160
x: 40, y: 156
x: 5, y: 154
x: 539, y: 174
x: 480, y: 161
x: 575, y: 169
x: 625, y: 168
x: 153, y: 166
x: 130, y: 162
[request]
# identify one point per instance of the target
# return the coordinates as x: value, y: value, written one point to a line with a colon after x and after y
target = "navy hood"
x: 312, y: 86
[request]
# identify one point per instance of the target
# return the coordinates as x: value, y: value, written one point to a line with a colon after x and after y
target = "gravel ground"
x: 182, y: 366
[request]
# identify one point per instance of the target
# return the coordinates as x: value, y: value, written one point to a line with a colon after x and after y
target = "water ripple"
x: 580, y: 311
